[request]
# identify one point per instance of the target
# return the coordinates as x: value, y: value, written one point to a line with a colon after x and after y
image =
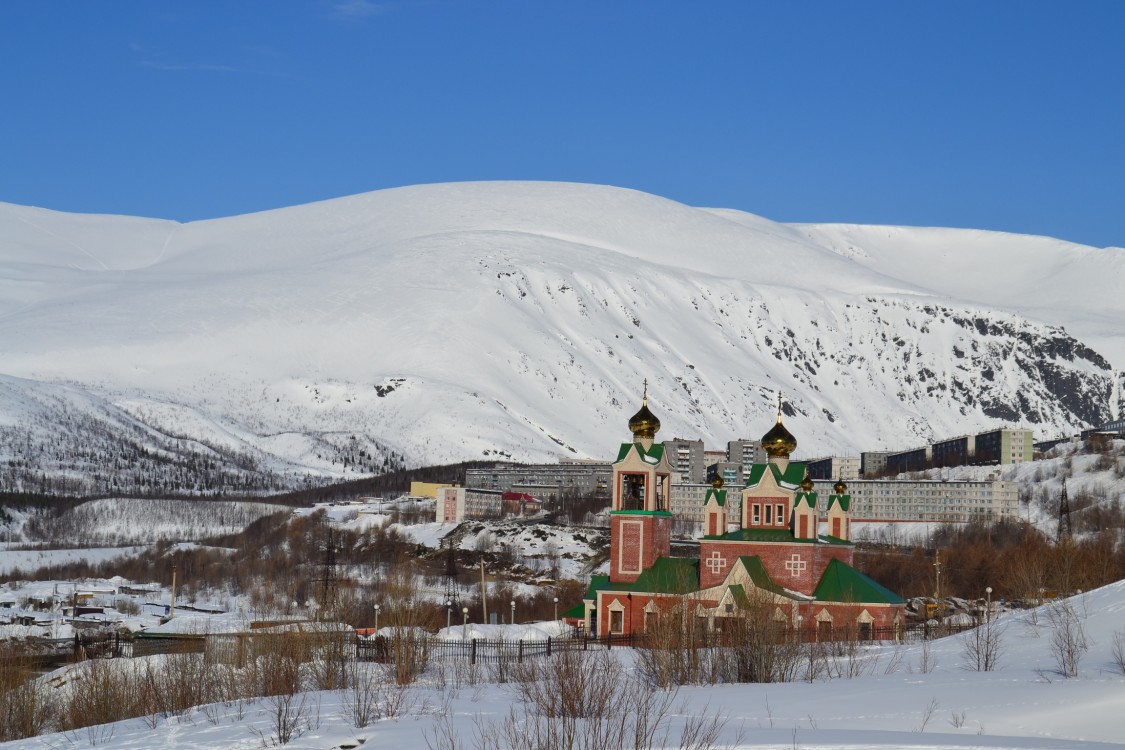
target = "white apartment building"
x: 958, y: 501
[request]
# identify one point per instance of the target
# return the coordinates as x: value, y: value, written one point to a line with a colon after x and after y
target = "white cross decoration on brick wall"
x: 795, y: 565
x: 716, y: 563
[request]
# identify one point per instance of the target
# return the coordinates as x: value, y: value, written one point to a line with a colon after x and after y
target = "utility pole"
x: 483, y: 592
x: 937, y: 573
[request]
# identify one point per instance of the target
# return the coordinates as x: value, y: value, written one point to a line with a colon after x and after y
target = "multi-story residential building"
x: 686, y: 457
x: 1004, y: 446
x: 930, y: 500
x: 544, y: 481
x: 1001, y: 446
x: 455, y: 504
x: 873, y: 463
x: 834, y: 467
x: 746, y: 453
x: 685, y: 501
x: 916, y: 459
x: 729, y: 471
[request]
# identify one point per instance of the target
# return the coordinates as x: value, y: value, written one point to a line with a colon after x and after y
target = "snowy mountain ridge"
x: 446, y: 322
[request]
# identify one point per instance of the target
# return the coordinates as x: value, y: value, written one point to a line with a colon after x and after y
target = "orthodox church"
x: 775, y: 554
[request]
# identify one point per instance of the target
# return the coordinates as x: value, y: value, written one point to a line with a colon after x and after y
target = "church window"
x: 617, y: 622
x: 780, y: 515
x: 769, y: 515
x: 757, y: 513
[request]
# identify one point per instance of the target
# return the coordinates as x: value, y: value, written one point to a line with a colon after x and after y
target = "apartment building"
x: 930, y: 500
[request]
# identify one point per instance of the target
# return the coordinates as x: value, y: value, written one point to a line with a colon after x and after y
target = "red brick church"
x: 775, y: 554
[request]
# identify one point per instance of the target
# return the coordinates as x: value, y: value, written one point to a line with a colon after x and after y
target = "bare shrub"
x: 982, y: 646
x: 573, y: 684
x: 1068, y: 637
x: 752, y: 645
x: 581, y: 700
x: 370, y: 696
x: 926, y: 660
x: 24, y: 706
x: 99, y: 692
x: 1117, y: 650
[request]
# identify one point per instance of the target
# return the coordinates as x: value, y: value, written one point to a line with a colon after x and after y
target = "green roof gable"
x: 843, y: 583
x: 756, y: 569
x: 808, y: 498
x: 790, y: 478
x: 844, y: 501
x: 719, y: 495
x: 651, y: 456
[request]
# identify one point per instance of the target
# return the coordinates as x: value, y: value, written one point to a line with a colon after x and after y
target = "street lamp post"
x: 448, y: 613
x: 988, y: 603
x: 377, y: 608
x: 513, y: 613
x: 465, y: 625
x: 556, y: 608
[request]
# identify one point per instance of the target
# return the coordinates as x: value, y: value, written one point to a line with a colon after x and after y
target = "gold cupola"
x: 840, y: 488
x: 779, y: 442
x: 644, y: 425
x: 806, y: 483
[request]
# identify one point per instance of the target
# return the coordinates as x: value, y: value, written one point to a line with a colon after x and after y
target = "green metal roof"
x: 791, y: 477
x: 668, y: 575
x: 719, y: 495
x: 808, y: 498
x: 761, y: 578
x: 843, y: 583
x: 651, y: 456
x: 845, y: 502
x: 578, y: 610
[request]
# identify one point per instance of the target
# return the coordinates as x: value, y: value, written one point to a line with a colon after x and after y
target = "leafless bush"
x: 100, y: 691
x: 753, y: 646
x: 926, y: 660
x: 572, y: 684
x: 927, y: 714
x: 1068, y: 637
x: 1117, y: 651
x: 24, y: 706
x: 371, y: 696
x: 582, y: 701
x: 982, y: 646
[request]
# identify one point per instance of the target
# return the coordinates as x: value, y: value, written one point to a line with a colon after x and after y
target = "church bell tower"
x: 640, y: 521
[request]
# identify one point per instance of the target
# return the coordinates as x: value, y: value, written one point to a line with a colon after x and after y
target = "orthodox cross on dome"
x: 779, y: 405
x: 644, y: 398
x: 795, y: 565
x: 716, y: 563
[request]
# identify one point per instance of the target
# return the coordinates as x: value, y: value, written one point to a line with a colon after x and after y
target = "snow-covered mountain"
x: 446, y: 322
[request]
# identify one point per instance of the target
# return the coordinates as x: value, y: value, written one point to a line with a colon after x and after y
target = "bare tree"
x: 1068, y: 637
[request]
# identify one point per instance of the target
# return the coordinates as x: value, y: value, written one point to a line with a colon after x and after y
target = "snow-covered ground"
x: 29, y: 560
x: 898, y: 702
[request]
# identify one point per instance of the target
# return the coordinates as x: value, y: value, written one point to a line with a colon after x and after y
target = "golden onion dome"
x: 806, y: 484
x: 779, y: 442
x: 839, y: 488
x: 644, y: 424
x: 717, y: 482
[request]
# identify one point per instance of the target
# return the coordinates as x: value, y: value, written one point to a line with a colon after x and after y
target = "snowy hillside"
x: 447, y: 322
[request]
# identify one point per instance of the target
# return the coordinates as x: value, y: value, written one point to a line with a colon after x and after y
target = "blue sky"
x: 996, y: 115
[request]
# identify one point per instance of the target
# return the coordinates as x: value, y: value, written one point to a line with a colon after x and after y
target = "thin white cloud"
x: 357, y: 9
x: 205, y: 67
